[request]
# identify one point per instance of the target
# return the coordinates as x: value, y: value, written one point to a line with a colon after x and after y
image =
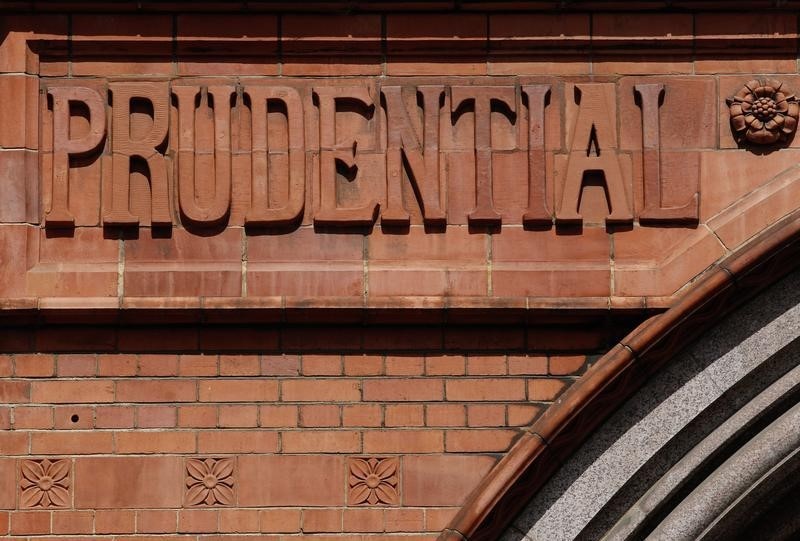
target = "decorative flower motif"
x: 44, y: 483
x: 209, y: 481
x: 763, y: 112
x: 373, y: 481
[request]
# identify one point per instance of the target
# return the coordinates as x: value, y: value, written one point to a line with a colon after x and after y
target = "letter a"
x: 594, y: 148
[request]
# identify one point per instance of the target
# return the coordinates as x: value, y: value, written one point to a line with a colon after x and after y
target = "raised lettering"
x: 482, y: 97
x: 331, y: 153
x: 419, y: 151
x: 594, y: 149
x: 261, y: 213
x: 649, y: 96
x: 190, y: 171
x: 538, y: 213
x: 124, y: 147
x: 63, y: 146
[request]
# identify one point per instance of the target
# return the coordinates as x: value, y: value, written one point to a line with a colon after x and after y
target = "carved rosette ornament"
x: 209, y: 481
x: 763, y: 112
x: 45, y: 483
x: 373, y: 481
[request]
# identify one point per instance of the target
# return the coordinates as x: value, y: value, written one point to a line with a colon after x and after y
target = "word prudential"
x: 346, y: 155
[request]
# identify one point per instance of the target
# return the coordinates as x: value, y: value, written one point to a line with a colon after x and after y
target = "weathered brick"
x: 321, y: 365
x: 404, y: 415
x: 280, y: 520
x: 322, y: 520
x: 237, y: 441
x: 404, y: 441
x: 363, y: 365
x: 198, y: 520
x: 362, y: 415
x: 239, y: 365
x: 156, y: 521
x: 76, y: 365
x: 448, y: 365
x: 114, y: 521
x: 156, y: 416
x: 36, y: 417
x: 495, y: 389
x: 238, y: 416
x: 363, y: 520
x: 320, y: 390
x: 145, y: 442
x: 239, y: 520
x: 30, y: 523
x: 14, y: 392
x: 472, y: 441
x: 34, y: 366
x: 278, y: 416
x: 118, y: 365
x: 158, y: 365
x: 395, y: 390
x: 321, y: 441
x: 72, y: 392
x: 141, y: 390
x: 197, y: 416
x: 238, y: 390
x: 445, y: 415
x: 73, y: 522
x: 66, y: 443
x: 198, y: 365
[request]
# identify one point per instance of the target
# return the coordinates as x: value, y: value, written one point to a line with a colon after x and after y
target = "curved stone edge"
x: 544, y: 446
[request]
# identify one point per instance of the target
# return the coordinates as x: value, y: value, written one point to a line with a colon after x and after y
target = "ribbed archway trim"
x: 541, y: 448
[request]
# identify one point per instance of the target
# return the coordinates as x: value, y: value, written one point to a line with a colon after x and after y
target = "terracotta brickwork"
x: 124, y: 444
x: 271, y: 272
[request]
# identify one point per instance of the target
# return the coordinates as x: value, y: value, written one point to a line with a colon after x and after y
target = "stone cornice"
x: 372, y: 6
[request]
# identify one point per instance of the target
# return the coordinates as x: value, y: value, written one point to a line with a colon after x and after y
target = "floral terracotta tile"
x: 44, y: 483
x: 209, y: 482
x: 373, y: 481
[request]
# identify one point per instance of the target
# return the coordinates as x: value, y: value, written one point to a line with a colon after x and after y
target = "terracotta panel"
x: 649, y: 260
x: 80, y: 262
x: 551, y: 263
x: 8, y: 483
x: 19, y: 174
x: 729, y: 176
x: 290, y: 480
x: 128, y: 482
x: 13, y: 242
x: 441, y: 480
x: 421, y: 263
x: 184, y: 264
x: 305, y: 264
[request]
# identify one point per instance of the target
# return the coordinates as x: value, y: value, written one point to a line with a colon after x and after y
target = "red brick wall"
x: 123, y: 428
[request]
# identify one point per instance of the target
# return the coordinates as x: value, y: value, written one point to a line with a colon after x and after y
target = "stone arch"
x: 680, y: 404
x: 710, y: 433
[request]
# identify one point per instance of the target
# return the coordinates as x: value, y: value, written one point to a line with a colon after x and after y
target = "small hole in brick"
x: 74, y: 418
